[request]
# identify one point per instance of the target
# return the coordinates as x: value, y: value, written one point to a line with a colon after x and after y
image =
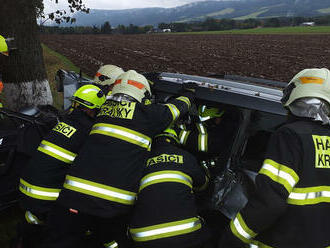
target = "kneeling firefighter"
x: 43, y: 177
x: 290, y: 208
x: 165, y: 214
x: 100, y: 188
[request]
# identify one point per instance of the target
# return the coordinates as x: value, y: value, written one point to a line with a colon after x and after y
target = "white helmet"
x: 133, y: 84
x: 107, y: 74
x: 308, y: 83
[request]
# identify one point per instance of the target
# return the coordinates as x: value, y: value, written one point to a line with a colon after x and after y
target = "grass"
x: 324, y: 11
x: 252, y: 15
x: 280, y: 30
x: 222, y: 12
x: 53, y: 62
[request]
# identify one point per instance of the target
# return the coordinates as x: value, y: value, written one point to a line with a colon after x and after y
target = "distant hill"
x: 239, y: 9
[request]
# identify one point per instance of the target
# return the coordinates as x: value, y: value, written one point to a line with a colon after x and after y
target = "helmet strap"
x: 287, y: 92
x: 146, y: 100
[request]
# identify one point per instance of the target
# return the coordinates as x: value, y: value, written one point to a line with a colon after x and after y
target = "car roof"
x: 251, y: 93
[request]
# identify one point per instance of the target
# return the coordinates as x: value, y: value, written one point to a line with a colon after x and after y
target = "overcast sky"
x: 121, y: 4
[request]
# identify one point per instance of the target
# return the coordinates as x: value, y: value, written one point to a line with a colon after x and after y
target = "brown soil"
x: 276, y: 57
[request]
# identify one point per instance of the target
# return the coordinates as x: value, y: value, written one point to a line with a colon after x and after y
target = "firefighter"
x: 290, y: 207
x: 106, y: 76
x: 209, y: 137
x: 7, y: 45
x: 43, y: 177
x: 210, y: 134
x: 100, y: 189
x: 166, y: 199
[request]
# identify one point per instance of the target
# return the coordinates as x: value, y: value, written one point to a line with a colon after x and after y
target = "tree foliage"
x: 106, y: 28
x: 60, y: 16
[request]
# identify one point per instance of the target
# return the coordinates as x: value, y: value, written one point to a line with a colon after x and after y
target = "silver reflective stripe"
x: 309, y: 195
x: 165, y: 176
x: 174, y: 110
x: 183, y: 136
x: 58, y: 152
x: 203, y: 149
x: 119, y: 132
x: 99, y: 190
x: 39, y: 192
x: 202, y: 134
x: 286, y: 176
x: 112, y: 244
x: 169, y: 229
x: 240, y: 229
x: 182, y: 126
x: 31, y: 218
x: 253, y: 246
x: 202, y: 129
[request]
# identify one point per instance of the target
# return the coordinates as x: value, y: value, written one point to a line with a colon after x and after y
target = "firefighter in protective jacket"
x: 101, y: 187
x: 42, y: 179
x: 165, y: 214
x: 290, y: 208
x: 210, y: 134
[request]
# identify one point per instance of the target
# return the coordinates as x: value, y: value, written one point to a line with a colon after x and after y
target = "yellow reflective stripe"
x: 174, y: 110
x: 42, y: 193
x: 280, y: 174
x: 202, y: 138
x: 184, y: 99
x: 32, y: 219
x: 112, y: 244
x: 165, y: 230
x: 309, y: 196
x: 56, y: 152
x: 241, y: 230
x: 183, y: 136
x: 122, y: 133
x: 164, y: 177
x: 99, y: 190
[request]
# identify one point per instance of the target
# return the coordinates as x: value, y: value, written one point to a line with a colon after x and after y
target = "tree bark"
x: 23, y: 71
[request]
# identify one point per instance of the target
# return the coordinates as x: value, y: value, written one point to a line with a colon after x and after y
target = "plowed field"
x: 276, y: 57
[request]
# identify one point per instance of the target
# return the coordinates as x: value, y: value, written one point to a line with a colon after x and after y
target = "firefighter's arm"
x: 164, y: 115
x: 275, y: 181
x: 180, y: 106
x: 200, y: 175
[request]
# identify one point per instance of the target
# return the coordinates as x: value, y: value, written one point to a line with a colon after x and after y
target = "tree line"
x: 210, y: 24
x: 103, y: 29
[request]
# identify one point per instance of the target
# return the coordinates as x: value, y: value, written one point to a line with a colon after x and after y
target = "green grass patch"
x: 252, y: 15
x: 280, y: 30
x: 53, y: 62
x: 324, y: 11
x: 62, y: 59
x: 222, y: 12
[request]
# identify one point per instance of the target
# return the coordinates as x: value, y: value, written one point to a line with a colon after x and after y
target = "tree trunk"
x: 23, y: 71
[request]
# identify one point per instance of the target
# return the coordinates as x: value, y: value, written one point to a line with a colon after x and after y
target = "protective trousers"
x: 67, y: 229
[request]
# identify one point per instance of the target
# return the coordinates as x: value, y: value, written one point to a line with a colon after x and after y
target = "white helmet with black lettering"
x: 107, y: 74
x: 132, y: 84
x: 308, y: 83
